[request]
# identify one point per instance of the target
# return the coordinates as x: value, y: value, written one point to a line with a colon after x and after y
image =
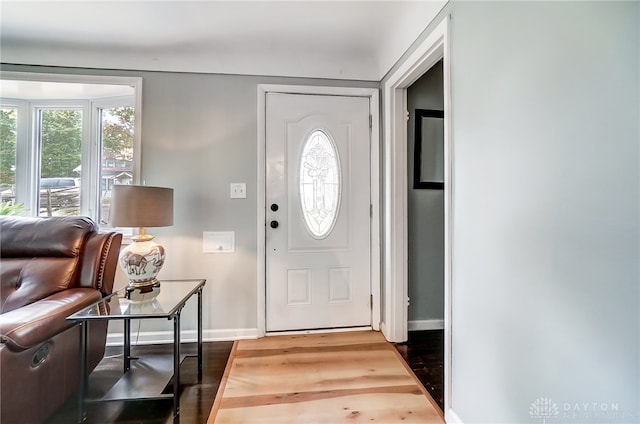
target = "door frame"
x: 374, y: 106
x: 431, y: 49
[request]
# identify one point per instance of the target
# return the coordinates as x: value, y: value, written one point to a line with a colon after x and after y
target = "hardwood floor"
x: 196, y: 397
x: 424, y: 353
x: 321, y: 378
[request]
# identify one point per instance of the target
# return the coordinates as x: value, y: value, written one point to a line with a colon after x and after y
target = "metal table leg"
x: 127, y: 345
x: 176, y: 364
x: 82, y: 395
x: 200, y: 334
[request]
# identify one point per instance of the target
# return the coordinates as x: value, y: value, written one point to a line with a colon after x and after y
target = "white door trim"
x: 433, y: 48
x: 373, y: 96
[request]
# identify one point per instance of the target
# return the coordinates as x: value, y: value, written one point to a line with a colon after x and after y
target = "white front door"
x: 318, y: 212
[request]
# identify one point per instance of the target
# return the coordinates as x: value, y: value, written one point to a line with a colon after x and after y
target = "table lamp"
x: 141, y: 206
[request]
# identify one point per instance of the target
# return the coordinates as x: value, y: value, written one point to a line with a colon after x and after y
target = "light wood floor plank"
x: 322, y: 339
x: 321, y: 378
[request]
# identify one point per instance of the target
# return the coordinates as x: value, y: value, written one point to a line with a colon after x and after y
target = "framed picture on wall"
x: 428, y: 165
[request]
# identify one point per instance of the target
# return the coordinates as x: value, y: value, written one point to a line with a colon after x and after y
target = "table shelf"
x: 147, y: 379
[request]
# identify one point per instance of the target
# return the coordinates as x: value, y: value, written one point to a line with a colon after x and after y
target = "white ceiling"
x: 321, y: 39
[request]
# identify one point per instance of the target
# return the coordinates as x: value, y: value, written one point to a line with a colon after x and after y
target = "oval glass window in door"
x: 320, y: 184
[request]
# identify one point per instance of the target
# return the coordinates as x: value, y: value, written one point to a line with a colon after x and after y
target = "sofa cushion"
x: 39, y: 257
x: 26, y: 280
x: 60, y: 237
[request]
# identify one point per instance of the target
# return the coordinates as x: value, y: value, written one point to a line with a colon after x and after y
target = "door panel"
x: 318, y: 267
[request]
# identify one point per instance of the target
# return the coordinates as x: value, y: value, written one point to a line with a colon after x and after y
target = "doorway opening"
x: 425, y: 235
x: 425, y: 201
x: 424, y: 55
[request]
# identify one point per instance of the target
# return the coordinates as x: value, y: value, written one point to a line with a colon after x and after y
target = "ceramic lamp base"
x: 141, y: 261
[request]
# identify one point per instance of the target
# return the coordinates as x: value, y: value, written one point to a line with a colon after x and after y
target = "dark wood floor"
x: 196, y: 397
x: 424, y: 352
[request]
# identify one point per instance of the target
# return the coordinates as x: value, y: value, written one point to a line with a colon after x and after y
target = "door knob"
x: 274, y: 224
x: 274, y: 207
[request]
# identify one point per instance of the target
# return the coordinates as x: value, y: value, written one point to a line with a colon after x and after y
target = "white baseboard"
x: 426, y: 324
x: 187, y: 336
x: 451, y: 417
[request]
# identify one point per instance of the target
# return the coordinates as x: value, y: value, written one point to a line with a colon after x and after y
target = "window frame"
x: 28, y: 144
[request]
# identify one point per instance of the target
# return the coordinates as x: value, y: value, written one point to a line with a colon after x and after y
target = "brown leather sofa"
x: 49, y: 269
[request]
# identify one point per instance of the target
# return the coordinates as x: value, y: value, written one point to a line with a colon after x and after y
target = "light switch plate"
x: 218, y: 242
x: 238, y: 190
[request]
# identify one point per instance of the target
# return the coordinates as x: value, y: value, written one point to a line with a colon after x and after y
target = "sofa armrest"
x: 35, y: 323
x: 99, y: 261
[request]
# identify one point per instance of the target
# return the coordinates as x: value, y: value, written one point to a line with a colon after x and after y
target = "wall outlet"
x: 238, y: 191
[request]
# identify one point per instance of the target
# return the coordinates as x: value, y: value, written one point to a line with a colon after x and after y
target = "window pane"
x: 60, y: 158
x: 117, y: 153
x: 8, y: 138
x: 319, y: 184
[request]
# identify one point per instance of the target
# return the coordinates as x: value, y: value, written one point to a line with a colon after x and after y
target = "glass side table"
x: 153, y: 374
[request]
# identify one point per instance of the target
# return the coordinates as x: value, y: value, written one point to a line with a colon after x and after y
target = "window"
x: 65, y: 140
x: 8, y: 139
x: 60, y: 140
x: 116, y: 136
x: 320, y: 181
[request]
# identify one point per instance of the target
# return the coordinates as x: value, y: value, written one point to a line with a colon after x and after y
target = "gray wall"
x: 199, y: 133
x: 545, y: 112
x: 425, y: 213
x: 546, y: 185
